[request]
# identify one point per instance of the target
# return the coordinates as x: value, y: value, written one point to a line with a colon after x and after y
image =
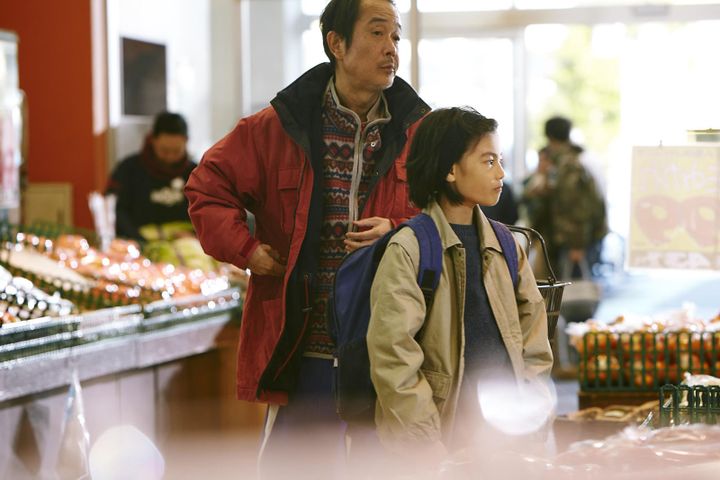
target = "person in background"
x: 427, y: 363
x: 149, y: 184
x: 535, y: 201
x: 323, y: 171
x: 567, y: 206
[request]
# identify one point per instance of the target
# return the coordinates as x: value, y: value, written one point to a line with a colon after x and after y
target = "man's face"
x: 372, y: 60
x: 169, y: 148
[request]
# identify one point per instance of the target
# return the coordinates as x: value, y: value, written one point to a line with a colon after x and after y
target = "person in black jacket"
x: 149, y: 184
x: 506, y: 210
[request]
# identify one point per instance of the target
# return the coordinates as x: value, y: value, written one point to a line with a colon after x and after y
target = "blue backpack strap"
x: 431, y: 254
x: 507, y: 243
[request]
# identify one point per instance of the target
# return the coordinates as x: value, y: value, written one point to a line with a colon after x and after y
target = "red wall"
x: 55, y: 67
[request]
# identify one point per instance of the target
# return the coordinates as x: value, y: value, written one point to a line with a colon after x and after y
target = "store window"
x: 315, y: 7
x: 463, y: 5
x: 623, y: 86
x: 548, y: 4
x: 313, y: 52
x: 477, y: 72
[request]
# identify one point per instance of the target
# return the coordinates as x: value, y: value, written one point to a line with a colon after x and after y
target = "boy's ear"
x: 450, y: 178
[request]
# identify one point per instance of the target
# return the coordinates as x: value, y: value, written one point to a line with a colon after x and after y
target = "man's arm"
x: 218, y: 191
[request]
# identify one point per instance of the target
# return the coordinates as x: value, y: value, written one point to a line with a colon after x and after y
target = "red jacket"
x: 265, y: 165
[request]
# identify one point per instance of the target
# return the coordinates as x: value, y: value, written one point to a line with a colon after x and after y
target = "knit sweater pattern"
x: 343, y: 133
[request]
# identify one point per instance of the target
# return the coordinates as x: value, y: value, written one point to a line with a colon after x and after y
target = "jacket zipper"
x: 306, y: 280
x: 306, y: 313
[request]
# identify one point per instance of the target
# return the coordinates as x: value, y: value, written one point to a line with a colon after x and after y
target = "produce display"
x: 641, y: 353
x: 21, y: 300
x: 59, y: 290
x: 121, y: 275
x: 175, y: 243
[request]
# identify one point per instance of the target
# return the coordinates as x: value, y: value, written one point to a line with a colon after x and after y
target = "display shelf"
x: 33, y: 374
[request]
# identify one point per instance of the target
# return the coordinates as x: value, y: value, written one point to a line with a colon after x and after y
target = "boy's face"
x: 478, y: 175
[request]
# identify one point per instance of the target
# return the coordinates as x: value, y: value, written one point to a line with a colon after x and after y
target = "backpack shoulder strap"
x: 430, y: 254
x: 507, y: 243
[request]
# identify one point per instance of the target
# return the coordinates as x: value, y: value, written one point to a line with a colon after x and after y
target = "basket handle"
x: 528, y: 233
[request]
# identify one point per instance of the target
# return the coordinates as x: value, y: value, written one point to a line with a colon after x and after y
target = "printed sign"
x: 675, y: 208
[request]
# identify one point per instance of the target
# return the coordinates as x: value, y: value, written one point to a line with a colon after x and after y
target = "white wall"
x: 274, y: 49
x: 201, y: 46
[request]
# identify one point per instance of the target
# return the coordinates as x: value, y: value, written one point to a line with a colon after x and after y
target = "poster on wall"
x: 675, y: 208
x: 144, y: 77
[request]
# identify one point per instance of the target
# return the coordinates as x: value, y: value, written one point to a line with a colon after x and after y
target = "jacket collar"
x: 448, y: 236
x: 299, y: 101
x: 378, y: 113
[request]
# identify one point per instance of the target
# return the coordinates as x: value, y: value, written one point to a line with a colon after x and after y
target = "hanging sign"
x: 675, y: 208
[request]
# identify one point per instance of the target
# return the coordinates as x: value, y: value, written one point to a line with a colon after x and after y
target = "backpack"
x: 349, y: 308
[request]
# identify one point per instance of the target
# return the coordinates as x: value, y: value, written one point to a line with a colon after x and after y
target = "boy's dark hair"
x: 170, y: 123
x: 558, y: 128
x: 440, y: 141
x: 339, y: 16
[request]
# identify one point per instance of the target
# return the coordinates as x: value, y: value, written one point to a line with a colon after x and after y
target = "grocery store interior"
x: 139, y: 356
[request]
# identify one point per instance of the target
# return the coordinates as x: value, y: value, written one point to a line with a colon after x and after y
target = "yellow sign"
x: 675, y: 208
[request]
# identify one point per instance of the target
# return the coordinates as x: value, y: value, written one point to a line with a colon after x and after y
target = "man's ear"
x: 336, y: 44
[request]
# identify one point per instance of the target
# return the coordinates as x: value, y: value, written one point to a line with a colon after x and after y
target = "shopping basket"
x: 550, y: 288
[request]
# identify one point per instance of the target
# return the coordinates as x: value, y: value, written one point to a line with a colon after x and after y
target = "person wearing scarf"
x: 149, y: 184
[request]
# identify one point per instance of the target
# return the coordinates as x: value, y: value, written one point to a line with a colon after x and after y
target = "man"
x: 576, y: 202
x: 149, y: 184
x: 323, y: 171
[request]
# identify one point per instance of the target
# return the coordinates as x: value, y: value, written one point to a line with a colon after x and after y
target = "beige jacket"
x: 417, y: 377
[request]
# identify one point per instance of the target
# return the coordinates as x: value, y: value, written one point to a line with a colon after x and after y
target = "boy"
x: 426, y: 362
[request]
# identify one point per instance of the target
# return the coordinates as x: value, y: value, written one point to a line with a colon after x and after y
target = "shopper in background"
x: 323, y: 171
x: 536, y: 203
x: 565, y: 202
x: 149, y: 185
x: 427, y: 383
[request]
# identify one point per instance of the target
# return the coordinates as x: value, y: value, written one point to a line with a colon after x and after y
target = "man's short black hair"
x: 440, y: 141
x: 340, y: 16
x: 170, y: 123
x: 558, y: 128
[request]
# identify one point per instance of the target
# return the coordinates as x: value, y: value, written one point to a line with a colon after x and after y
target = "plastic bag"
x: 72, y: 461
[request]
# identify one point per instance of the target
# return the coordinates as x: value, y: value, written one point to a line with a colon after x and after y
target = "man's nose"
x: 391, y: 48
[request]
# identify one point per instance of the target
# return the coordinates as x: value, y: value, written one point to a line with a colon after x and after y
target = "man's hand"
x: 266, y: 261
x: 376, y: 228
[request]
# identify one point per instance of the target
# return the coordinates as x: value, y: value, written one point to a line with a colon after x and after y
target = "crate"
x: 644, y: 361
x: 683, y: 404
